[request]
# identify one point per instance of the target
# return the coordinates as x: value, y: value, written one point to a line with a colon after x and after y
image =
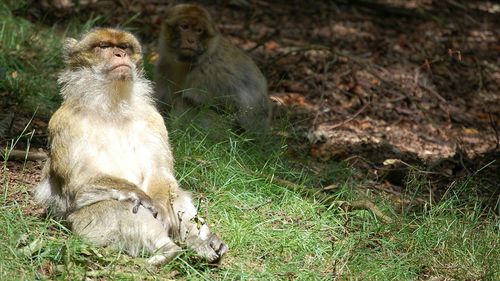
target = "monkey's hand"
x: 110, y: 188
x: 122, y: 191
x: 141, y: 199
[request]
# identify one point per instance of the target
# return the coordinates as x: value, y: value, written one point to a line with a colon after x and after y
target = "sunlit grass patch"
x: 267, y: 205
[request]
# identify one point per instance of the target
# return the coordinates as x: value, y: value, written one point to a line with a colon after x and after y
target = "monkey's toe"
x: 220, y: 248
x: 212, y: 257
x: 218, y: 245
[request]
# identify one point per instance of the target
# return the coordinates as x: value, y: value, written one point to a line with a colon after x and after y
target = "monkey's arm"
x: 109, y: 188
x: 78, y: 180
x: 252, y: 98
x: 191, y: 230
x: 163, y: 88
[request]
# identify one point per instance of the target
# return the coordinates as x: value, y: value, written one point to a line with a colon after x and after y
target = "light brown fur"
x: 110, y: 170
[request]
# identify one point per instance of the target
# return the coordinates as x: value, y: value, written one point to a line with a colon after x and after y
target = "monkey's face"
x: 187, y: 31
x: 115, y: 54
x: 188, y: 38
x: 118, y: 64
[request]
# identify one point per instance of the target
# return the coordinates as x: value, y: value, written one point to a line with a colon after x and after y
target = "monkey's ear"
x: 68, y: 46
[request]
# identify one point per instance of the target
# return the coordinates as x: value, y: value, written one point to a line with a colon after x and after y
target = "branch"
x: 22, y: 155
x: 365, y: 205
x: 354, y: 205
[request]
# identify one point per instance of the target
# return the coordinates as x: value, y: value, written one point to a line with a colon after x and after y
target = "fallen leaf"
x: 470, y: 131
x: 272, y: 45
x: 391, y: 161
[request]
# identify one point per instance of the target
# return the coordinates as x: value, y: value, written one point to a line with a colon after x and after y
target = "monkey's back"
x: 229, y: 72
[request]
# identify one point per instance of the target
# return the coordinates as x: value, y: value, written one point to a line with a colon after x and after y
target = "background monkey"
x: 110, y: 169
x: 201, y: 73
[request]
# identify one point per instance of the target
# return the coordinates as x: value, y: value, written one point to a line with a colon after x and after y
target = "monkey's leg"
x: 110, y: 223
x: 195, y: 232
x: 254, y: 119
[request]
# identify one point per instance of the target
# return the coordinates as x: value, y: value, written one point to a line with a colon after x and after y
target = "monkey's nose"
x: 120, y: 54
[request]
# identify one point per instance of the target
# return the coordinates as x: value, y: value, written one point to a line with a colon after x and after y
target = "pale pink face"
x: 119, y: 64
x: 115, y: 53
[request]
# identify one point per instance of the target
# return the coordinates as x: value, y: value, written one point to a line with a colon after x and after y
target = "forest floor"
x: 404, y: 93
x: 386, y: 86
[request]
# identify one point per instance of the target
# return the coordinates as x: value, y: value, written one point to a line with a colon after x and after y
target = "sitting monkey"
x: 110, y: 170
x: 200, y: 74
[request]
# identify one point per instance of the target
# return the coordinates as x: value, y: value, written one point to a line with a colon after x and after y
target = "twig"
x: 394, y: 161
x: 484, y: 167
x: 21, y: 155
x: 262, y: 41
x: 334, y: 126
x: 338, y: 53
x: 355, y: 205
x: 461, y: 157
x: 493, y: 125
x: 353, y: 58
x: 401, y: 196
x: 365, y: 205
x: 434, y: 93
x: 448, y: 189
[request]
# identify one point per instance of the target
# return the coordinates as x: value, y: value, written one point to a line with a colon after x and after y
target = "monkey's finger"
x: 149, y: 205
x: 222, y: 249
x: 154, y: 211
x: 137, y: 203
x: 218, y: 245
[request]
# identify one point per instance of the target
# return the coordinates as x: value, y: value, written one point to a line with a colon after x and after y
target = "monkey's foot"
x: 165, y: 255
x: 211, y: 249
x: 219, y: 246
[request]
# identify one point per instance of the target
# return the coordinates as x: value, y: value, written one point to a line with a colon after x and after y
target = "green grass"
x: 276, y: 231
x: 29, y: 57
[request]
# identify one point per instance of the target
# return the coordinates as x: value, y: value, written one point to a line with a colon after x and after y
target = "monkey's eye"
x: 104, y: 45
x: 124, y: 46
x: 183, y: 26
x: 198, y: 30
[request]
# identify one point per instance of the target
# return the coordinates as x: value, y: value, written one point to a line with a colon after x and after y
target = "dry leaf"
x: 391, y: 161
x: 470, y: 131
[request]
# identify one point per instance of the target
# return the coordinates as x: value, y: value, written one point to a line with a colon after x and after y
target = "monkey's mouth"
x: 120, y: 71
x: 187, y: 52
x: 120, y: 66
x: 187, y: 55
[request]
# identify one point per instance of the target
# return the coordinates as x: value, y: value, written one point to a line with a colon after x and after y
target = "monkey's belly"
x: 124, y: 154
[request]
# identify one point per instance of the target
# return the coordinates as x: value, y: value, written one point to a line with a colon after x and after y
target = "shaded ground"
x: 362, y: 81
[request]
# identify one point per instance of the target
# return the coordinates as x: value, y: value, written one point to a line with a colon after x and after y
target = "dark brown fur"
x: 200, y: 74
